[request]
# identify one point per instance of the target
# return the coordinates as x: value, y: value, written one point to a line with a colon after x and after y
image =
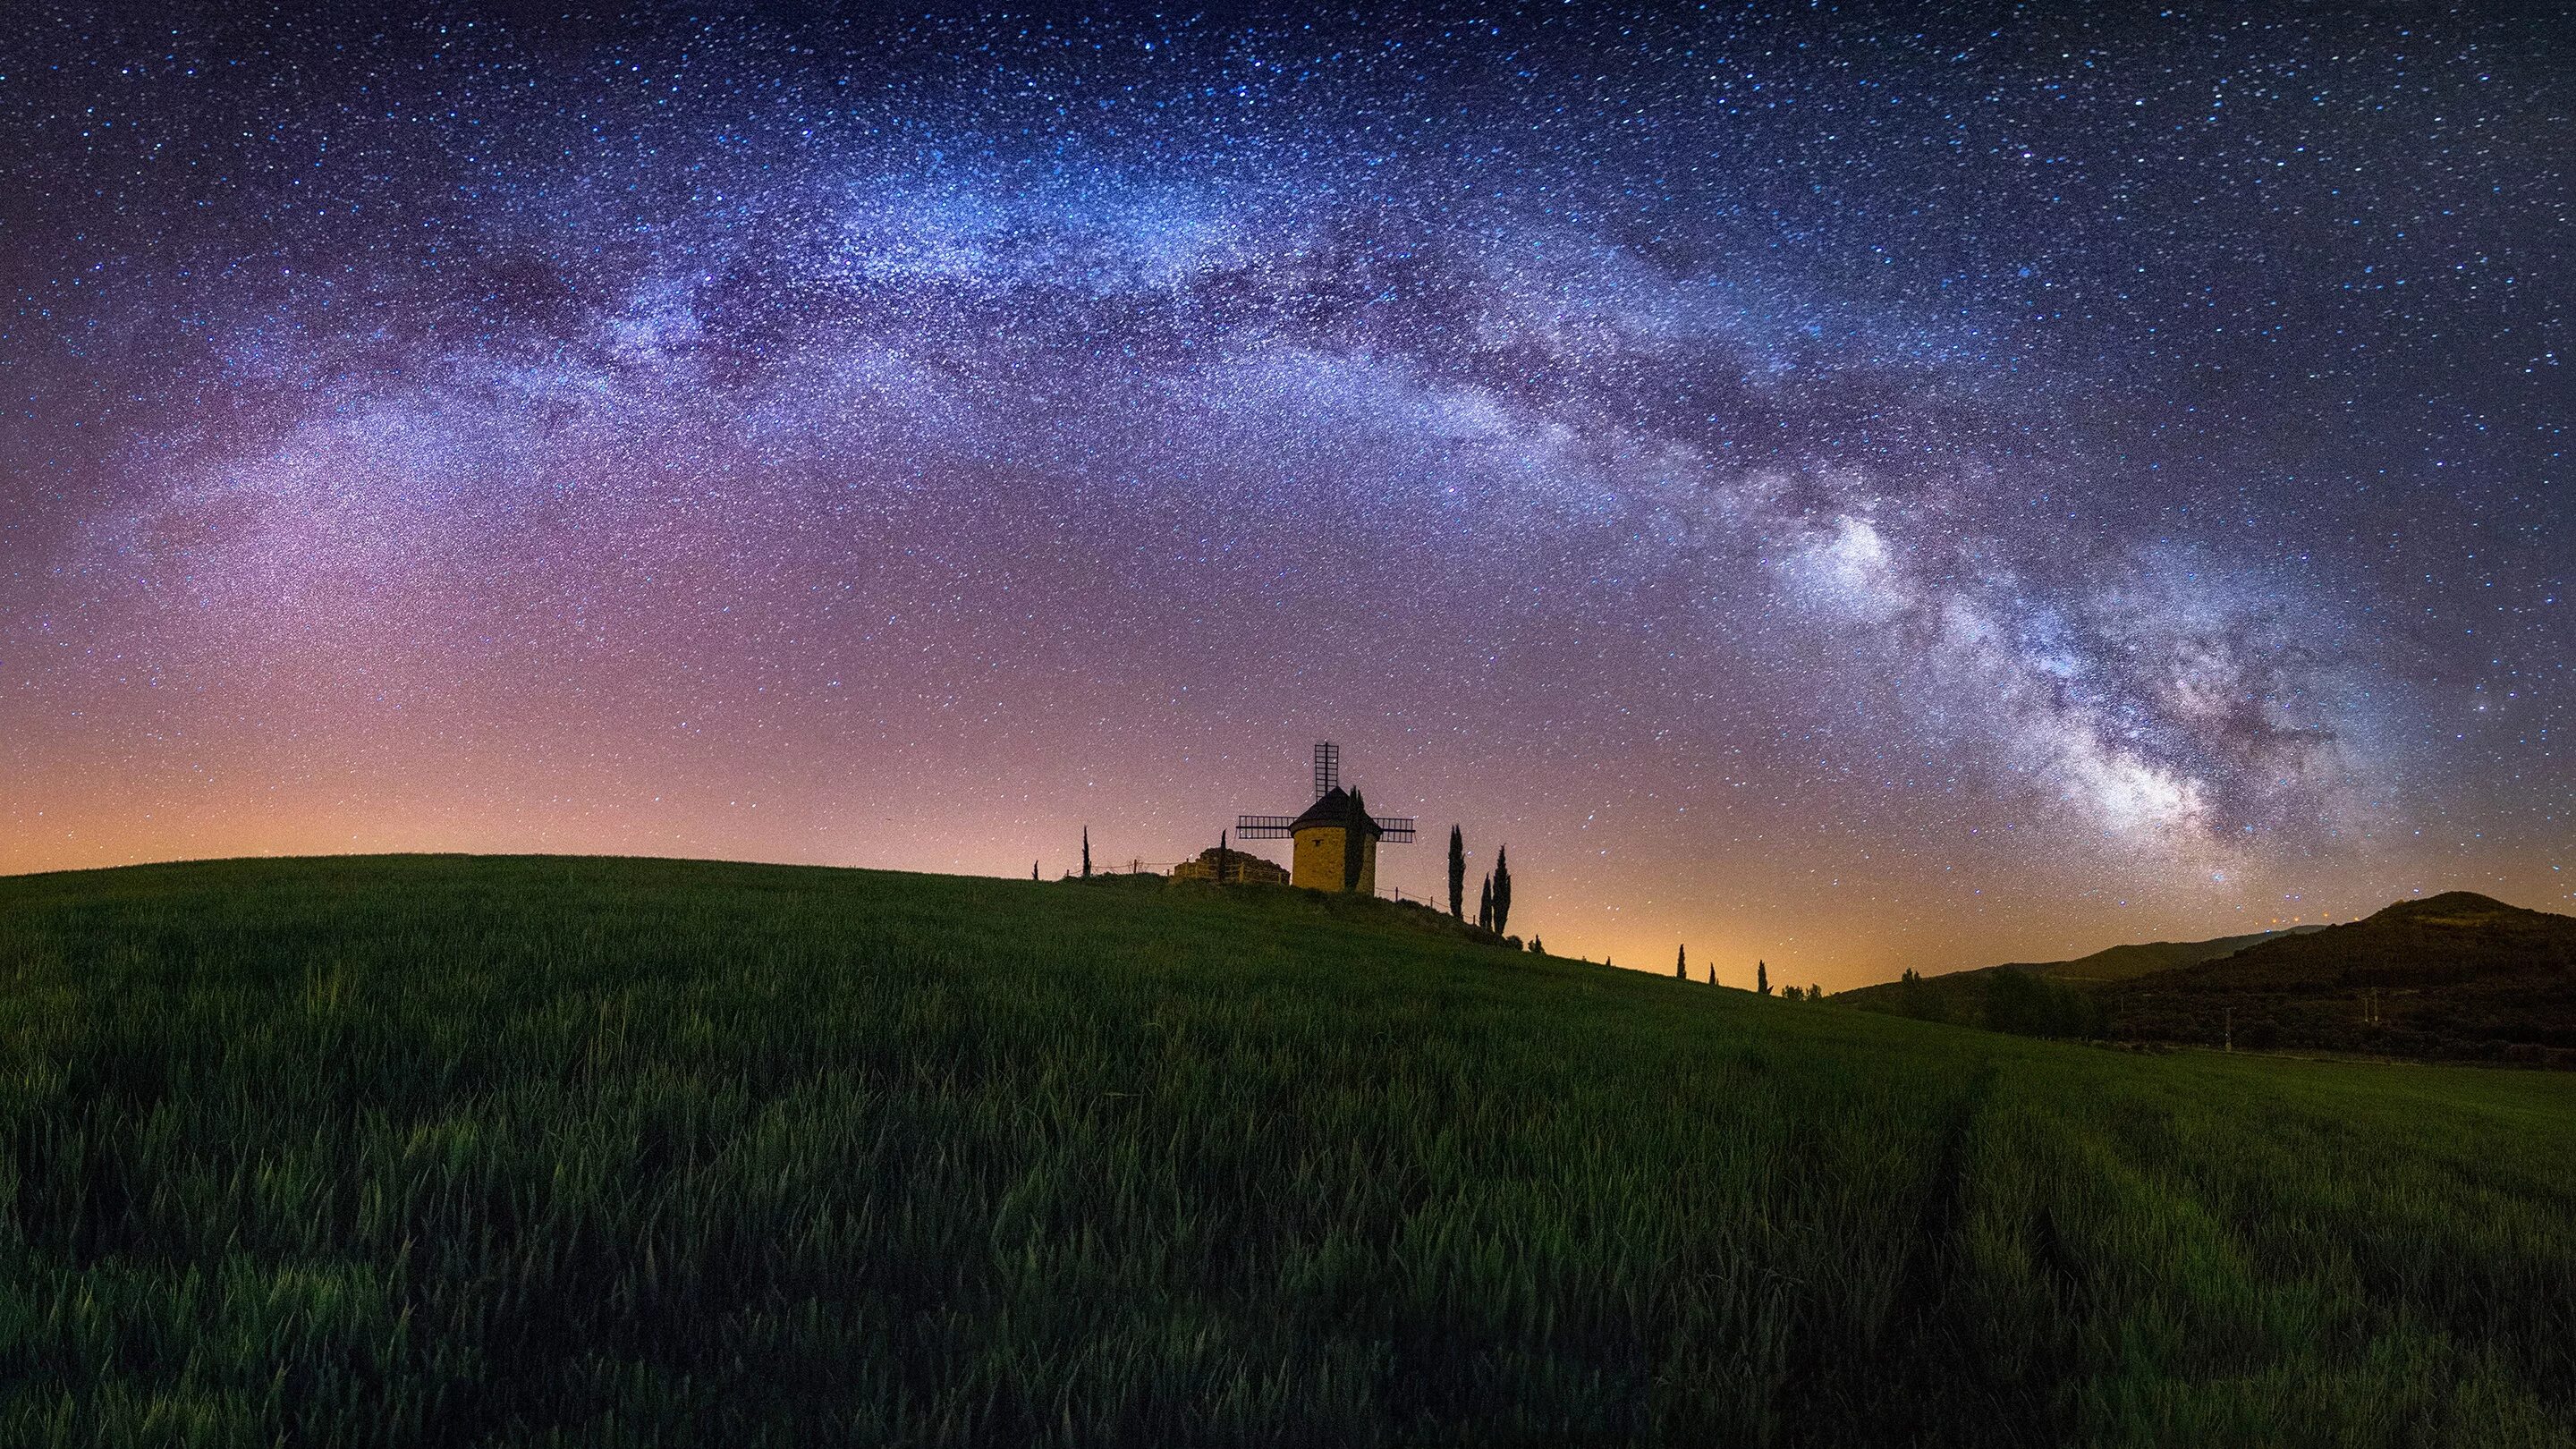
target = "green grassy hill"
x: 507, y: 1151
x: 2456, y: 974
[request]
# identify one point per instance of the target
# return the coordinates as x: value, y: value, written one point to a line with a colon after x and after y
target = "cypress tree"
x: 1761, y: 979
x: 1681, y: 963
x: 1712, y: 973
x: 1457, y: 875
x: 1086, y: 852
x: 1354, y: 841
x: 1537, y: 946
x: 1221, y: 853
x: 1033, y: 870
x: 1502, y: 889
x: 1485, y: 906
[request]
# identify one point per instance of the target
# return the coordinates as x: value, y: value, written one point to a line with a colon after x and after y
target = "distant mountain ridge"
x: 2112, y: 963
x: 2452, y: 975
x: 2120, y: 963
x: 2042, y: 998
x: 2456, y: 974
x: 2438, y: 939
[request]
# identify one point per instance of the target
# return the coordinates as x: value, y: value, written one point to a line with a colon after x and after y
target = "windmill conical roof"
x: 1338, y: 806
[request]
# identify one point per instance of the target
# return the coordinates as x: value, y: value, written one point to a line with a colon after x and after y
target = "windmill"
x: 1336, y: 838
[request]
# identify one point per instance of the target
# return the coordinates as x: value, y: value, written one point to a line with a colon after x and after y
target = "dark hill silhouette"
x: 2119, y: 963
x: 2042, y: 998
x: 2457, y: 974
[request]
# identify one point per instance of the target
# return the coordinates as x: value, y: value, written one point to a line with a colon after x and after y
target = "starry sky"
x: 1859, y: 489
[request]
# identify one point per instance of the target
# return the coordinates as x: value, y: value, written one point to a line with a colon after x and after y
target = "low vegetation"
x: 2016, y: 999
x: 455, y: 1151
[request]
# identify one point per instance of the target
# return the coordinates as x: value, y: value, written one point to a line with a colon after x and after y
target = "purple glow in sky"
x: 1855, y: 494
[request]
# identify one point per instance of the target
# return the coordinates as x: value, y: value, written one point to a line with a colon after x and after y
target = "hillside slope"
x: 2456, y: 974
x: 482, y: 1151
x: 2120, y: 963
x: 2040, y: 998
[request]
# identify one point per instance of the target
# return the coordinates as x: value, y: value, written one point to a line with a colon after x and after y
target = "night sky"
x: 1855, y: 491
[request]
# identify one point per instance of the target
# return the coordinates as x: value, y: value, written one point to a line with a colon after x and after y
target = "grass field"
x: 438, y: 1150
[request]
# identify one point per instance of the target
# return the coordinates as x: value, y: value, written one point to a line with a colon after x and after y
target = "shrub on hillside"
x: 2027, y: 1005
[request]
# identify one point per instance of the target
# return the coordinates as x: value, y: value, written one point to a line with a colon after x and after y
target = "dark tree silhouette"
x: 1354, y: 842
x: 1457, y: 874
x: 1033, y: 870
x: 1537, y: 947
x: 1761, y: 979
x: 1681, y: 963
x: 1086, y: 852
x: 1485, y: 906
x: 1222, y: 850
x: 1502, y: 888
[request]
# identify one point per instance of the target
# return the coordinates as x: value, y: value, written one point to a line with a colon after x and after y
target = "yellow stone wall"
x: 1240, y: 869
x: 1319, y: 859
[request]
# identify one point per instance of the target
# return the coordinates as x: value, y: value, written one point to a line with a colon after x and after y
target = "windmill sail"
x: 1333, y: 807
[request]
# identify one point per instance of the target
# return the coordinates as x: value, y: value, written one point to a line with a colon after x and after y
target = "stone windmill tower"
x: 1336, y: 838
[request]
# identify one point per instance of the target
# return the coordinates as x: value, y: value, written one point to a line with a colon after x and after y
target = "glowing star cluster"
x: 1855, y: 497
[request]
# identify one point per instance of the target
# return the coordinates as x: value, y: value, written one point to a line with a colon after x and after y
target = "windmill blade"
x: 1398, y: 828
x: 1328, y: 767
x: 1264, y: 827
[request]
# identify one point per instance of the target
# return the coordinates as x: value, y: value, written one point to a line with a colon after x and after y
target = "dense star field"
x: 1847, y: 491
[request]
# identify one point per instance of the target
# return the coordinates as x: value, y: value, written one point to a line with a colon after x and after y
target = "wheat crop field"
x: 462, y: 1150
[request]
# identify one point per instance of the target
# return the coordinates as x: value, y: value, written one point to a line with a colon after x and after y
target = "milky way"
x: 1852, y: 493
